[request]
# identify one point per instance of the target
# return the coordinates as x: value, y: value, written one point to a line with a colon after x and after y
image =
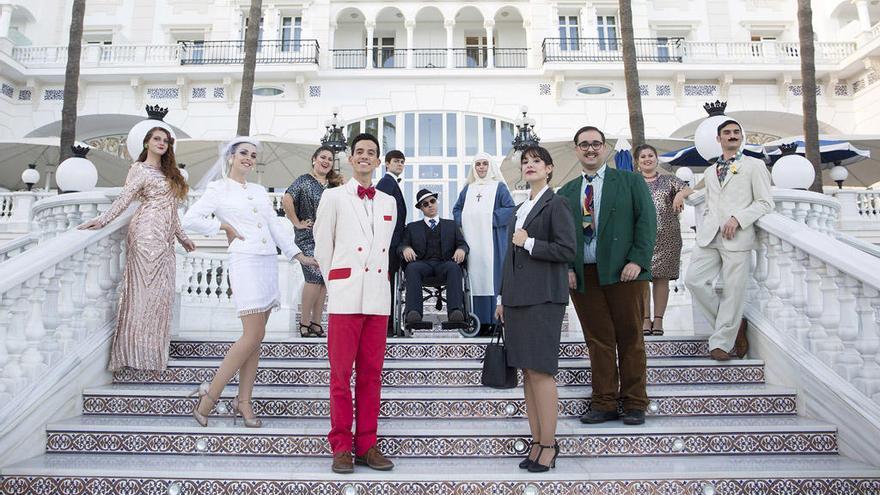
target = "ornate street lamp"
x: 30, y: 176
x: 839, y: 174
x: 705, y: 137
x: 334, y: 138
x: 525, y: 132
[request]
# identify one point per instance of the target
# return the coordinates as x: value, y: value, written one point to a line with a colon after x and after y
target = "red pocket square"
x: 387, y: 218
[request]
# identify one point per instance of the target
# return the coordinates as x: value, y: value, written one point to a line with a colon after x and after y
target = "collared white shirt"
x: 523, y: 212
x: 598, y: 182
x: 435, y: 219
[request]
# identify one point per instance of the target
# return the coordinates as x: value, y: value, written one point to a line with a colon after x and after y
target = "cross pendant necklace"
x: 479, y: 196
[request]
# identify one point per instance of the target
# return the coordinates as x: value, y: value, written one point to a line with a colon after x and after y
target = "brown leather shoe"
x: 374, y: 459
x: 719, y: 355
x: 343, y: 463
x: 741, y: 344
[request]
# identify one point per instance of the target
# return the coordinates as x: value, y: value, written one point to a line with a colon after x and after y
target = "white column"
x: 861, y: 7
x: 22, y: 210
x: 531, y: 49
x: 331, y: 45
x: 371, y: 26
x: 449, y: 24
x: 410, y: 43
x: 490, y: 42
x: 5, y: 20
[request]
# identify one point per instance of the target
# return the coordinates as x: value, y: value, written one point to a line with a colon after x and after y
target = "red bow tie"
x: 369, y: 192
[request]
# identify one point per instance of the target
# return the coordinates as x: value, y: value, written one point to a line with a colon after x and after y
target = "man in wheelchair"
x: 433, y: 247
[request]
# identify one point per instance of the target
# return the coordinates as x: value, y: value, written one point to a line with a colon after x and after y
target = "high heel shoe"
x: 306, y: 330
x: 525, y: 463
x: 657, y: 331
x: 254, y: 422
x: 202, y: 392
x: 537, y: 467
x: 317, y: 329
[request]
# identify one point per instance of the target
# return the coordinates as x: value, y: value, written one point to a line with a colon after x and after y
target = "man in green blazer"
x: 617, y: 227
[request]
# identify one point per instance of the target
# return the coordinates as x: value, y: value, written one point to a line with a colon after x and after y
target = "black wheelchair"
x: 433, y: 290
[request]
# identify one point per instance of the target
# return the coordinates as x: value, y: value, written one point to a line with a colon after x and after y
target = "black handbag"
x: 496, y: 372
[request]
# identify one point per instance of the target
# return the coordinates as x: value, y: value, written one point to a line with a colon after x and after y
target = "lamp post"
x: 334, y: 138
x: 525, y: 137
x: 705, y: 137
x: 792, y: 171
x: 839, y: 174
x: 77, y: 173
x: 30, y: 176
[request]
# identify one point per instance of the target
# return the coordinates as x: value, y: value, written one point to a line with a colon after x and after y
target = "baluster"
x: 32, y: 361
x: 73, y: 216
x: 92, y: 312
x: 4, y: 329
x: 802, y: 211
x: 80, y: 267
x: 774, y: 279
x: 761, y: 294
x: 61, y: 220
x: 800, y: 323
x: 813, y: 217
x: 868, y: 376
x: 187, y: 290
x: 213, y: 283
x: 224, y: 282
x: 15, y: 339
x: 830, y: 318
x: 813, y: 309
x: 65, y: 330
x: 50, y: 314
x: 785, y: 208
x: 203, y: 280
x: 783, y: 293
x: 105, y: 279
x: 86, y: 212
x: 848, y: 361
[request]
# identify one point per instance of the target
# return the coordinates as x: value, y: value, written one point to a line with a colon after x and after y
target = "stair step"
x: 448, y: 373
x: 571, y: 347
x: 450, y: 438
x: 87, y: 474
x: 290, y: 402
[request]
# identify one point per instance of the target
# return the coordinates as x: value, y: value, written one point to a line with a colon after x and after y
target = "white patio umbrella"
x: 17, y: 153
x: 860, y: 154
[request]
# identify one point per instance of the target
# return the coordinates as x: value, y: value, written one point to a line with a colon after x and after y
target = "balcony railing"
x: 511, y: 58
x: 427, y: 58
x: 100, y: 55
x: 232, y: 52
x: 610, y: 50
x: 349, y: 58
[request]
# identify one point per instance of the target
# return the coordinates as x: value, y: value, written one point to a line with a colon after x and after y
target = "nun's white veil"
x: 493, y: 174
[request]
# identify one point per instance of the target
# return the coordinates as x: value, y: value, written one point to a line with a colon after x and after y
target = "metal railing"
x: 232, y: 52
x: 429, y: 58
x: 349, y: 58
x: 663, y: 50
x: 469, y: 58
x: 511, y: 58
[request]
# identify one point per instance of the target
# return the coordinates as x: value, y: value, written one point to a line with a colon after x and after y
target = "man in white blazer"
x: 737, y: 195
x: 353, y: 230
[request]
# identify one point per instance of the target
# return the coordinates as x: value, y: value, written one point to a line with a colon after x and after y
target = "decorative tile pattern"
x: 199, y: 93
x: 858, y: 86
x: 797, y: 90
x: 75, y: 485
x: 7, y: 90
x: 841, y: 89
x: 544, y: 89
x: 643, y: 89
x: 441, y: 408
x: 442, y: 377
x: 315, y: 91
x: 24, y: 95
x: 873, y: 77
x: 220, y: 93
x: 710, y: 90
x: 169, y: 93
x: 294, y: 444
x: 664, y: 90
x: 394, y: 350
x: 53, y: 95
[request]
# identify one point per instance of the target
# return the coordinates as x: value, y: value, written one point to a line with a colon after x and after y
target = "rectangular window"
x: 430, y: 134
x: 568, y: 32
x: 389, y: 133
x: 607, y: 30
x: 471, y: 130
x: 490, y: 136
x: 451, y: 134
x: 383, y: 53
x: 372, y: 126
x: 244, y: 31
x: 507, y: 135
x: 662, y: 49
x: 430, y: 172
x: 409, y: 134
x: 291, y: 33
x: 351, y: 131
x: 476, y: 49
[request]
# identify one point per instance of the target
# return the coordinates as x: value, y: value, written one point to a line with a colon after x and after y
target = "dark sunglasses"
x: 428, y: 202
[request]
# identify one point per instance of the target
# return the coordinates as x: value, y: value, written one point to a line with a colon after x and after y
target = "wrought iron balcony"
x: 427, y: 58
x: 232, y: 52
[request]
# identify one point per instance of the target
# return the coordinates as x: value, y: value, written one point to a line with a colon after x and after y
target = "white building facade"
x: 441, y: 80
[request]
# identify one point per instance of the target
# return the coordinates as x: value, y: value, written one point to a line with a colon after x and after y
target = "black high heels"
x: 525, y: 463
x: 537, y: 467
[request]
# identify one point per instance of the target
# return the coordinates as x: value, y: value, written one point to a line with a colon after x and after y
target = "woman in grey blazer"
x: 534, y: 293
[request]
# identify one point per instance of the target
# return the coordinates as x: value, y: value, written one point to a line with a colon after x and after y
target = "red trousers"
x: 357, y: 340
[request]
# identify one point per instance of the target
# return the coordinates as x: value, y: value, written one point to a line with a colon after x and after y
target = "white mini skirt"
x: 254, y: 282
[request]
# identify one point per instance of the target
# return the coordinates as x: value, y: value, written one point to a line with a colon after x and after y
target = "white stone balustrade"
x: 16, y: 209
x: 15, y: 247
x: 100, y: 55
x: 54, y: 299
x: 818, y: 211
x: 859, y: 207
x: 52, y: 216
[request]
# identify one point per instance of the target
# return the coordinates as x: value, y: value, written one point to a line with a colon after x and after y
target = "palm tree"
x: 251, y: 39
x: 71, y: 80
x: 631, y: 75
x: 808, y: 80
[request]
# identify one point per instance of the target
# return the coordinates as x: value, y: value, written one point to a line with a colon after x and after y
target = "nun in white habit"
x: 482, y: 211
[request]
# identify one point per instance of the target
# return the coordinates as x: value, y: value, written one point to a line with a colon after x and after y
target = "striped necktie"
x: 587, y: 220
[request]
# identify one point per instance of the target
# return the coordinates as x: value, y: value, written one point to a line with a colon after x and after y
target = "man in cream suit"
x: 353, y: 230
x: 737, y: 195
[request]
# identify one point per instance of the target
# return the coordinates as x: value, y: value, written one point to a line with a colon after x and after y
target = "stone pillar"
x: 331, y: 45
x: 861, y: 7
x: 531, y: 50
x: 490, y: 43
x: 5, y: 20
x: 22, y: 211
x: 449, y: 24
x: 371, y: 26
x: 410, y: 43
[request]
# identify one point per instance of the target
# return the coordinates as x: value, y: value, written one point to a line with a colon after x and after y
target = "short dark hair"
x: 391, y: 155
x: 645, y: 146
x: 364, y: 136
x: 540, y: 152
x: 727, y: 123
x: 585, y: 129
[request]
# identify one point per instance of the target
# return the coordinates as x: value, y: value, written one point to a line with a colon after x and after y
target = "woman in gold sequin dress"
x: 143, y: 330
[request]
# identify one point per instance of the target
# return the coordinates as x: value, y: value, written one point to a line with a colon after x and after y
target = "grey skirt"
x: 531, y: 336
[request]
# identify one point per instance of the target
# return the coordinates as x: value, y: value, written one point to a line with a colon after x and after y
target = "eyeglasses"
x: 428, y: 202
x: 595, y: 145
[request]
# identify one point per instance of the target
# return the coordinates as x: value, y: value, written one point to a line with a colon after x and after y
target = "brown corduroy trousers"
x: 611, y: 318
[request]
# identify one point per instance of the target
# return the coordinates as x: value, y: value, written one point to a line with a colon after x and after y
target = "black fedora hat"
x: 423, y: 195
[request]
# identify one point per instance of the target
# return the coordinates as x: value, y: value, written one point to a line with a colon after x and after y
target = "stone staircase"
x: 712, y: 428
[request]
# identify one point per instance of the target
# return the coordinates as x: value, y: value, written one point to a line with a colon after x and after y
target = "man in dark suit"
x: 391, y: 184
x: 433, y: 247
x: 617, y: 226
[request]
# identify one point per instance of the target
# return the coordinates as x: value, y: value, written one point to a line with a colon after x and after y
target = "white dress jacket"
x: 249, y: 210
x: 744, y: 195
x: 351, y: 246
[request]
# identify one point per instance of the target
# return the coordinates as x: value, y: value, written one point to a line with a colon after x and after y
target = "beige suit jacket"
x: 745, y: 195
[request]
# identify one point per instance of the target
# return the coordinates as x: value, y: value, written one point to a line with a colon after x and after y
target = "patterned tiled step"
x: 426, y: 348
x: 313, y: 402
x: 89, y: 474
x: 449, y: 373
x: 450, y: 438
